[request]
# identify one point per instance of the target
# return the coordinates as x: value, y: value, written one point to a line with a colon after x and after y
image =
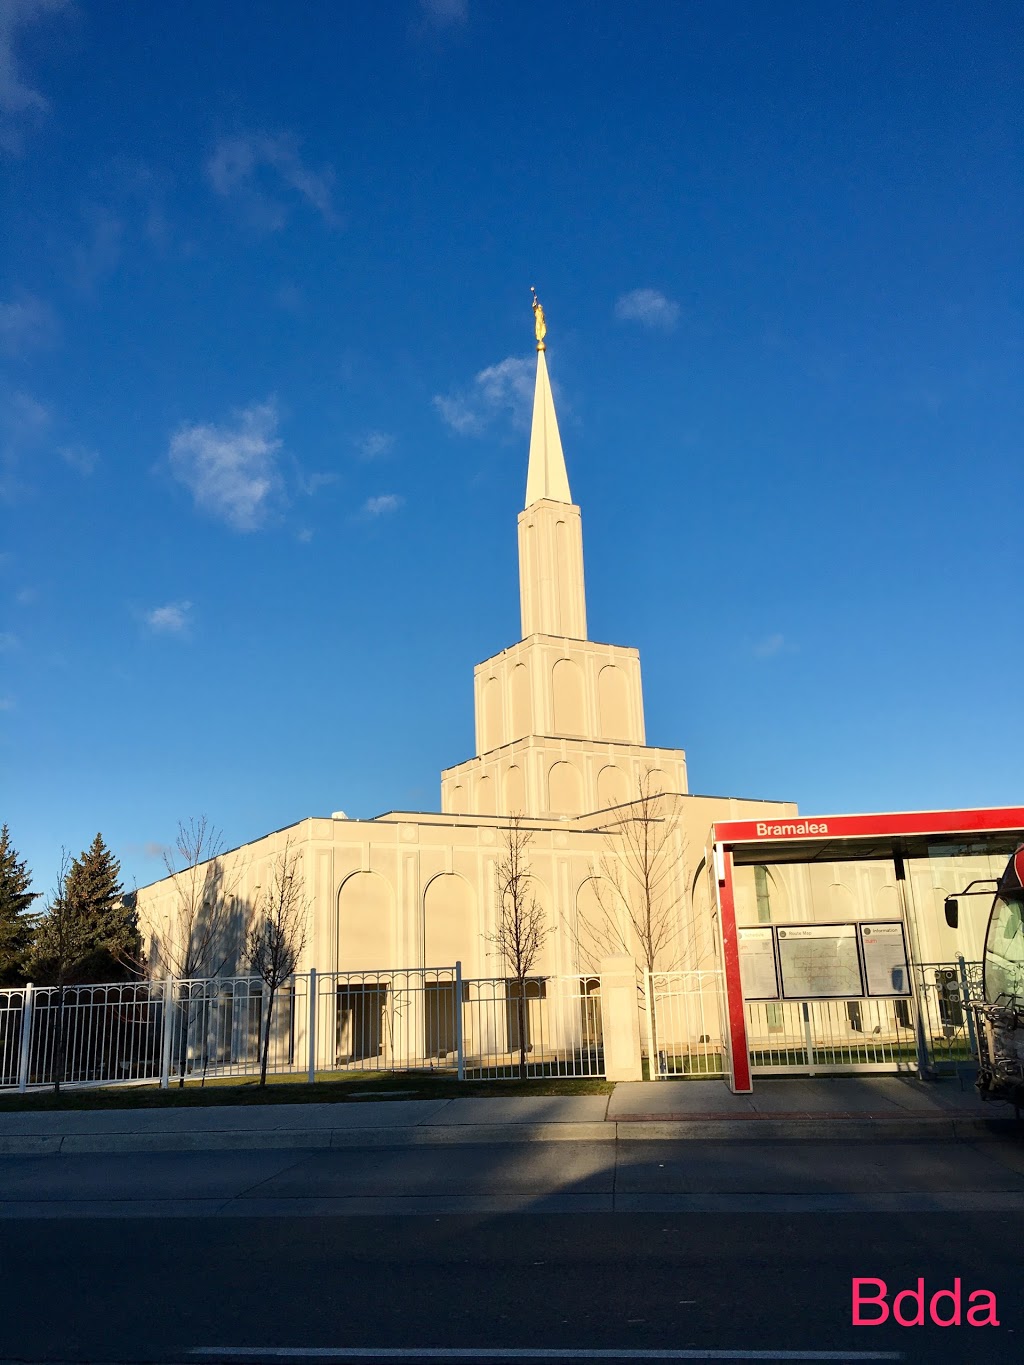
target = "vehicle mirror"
x: 952, y: 908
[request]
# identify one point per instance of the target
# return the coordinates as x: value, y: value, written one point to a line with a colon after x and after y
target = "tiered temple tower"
x: 559, y: 718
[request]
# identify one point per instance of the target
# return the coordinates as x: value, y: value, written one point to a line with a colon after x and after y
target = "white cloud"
x: 383, y: 505
x: 26, y: 415
x: 373, y: 445
x: 310, y: 484
x: 648, y: 307
x: 18, y: 100
x: 253, y: 169
x: 770, y: 646
x: 8, y: 642
x: 502, y: 391
x: 79, y: 458
x: 445, y: 13
x: 23, y: 424
x: 25, y: 324
x: 6, y: 703
x: 458, y: 413
x: 231, y: 470
x: 100, y: 254
x: 171, y: 619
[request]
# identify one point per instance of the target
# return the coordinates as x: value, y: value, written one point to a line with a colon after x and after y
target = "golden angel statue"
x: 539, y: 325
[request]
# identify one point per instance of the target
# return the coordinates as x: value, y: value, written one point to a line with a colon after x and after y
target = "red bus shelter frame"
x: 727, y: 835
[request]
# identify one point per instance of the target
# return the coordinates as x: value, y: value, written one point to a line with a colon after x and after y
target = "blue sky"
x: 266, y: 364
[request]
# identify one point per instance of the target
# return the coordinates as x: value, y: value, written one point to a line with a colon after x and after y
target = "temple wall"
x: 408, y: 890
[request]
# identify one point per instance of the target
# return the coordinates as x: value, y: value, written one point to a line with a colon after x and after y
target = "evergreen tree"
x: 94, y: 887
x: 62, y: 941
x: 97, y: 917
x: 17, y: 925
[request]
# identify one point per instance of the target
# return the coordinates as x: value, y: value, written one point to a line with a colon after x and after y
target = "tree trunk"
x: 655, y: 1068
x: 266, y: 1037
x: 521, y: 1012
x: 183, y: 1042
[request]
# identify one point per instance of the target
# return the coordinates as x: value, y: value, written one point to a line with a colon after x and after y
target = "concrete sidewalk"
x: 800, y: 1097
x: 848, y: 1108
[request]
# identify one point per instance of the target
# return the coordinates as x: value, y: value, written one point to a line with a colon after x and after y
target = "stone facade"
x: 560, y: 741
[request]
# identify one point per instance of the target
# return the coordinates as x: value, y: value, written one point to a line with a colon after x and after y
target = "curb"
x: 947, y: 1128
x: 637, y: 1130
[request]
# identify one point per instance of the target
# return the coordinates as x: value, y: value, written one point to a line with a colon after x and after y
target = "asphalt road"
x: 129, y: 1286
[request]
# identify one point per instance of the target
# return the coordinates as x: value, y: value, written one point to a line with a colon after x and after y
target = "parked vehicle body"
x: 1000, y: 1017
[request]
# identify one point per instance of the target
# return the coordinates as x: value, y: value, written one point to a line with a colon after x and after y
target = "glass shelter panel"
x: 811, y: 892
x: 935, y: 871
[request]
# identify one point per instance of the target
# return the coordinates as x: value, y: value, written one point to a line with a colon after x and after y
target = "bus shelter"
x: 836, y: 952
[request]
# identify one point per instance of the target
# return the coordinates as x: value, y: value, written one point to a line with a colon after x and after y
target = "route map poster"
x: 819, y: 960
x: 885, y: 959
x: 757, y: 964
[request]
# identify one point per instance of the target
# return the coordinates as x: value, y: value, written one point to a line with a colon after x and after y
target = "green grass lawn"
x: 330, y: 1088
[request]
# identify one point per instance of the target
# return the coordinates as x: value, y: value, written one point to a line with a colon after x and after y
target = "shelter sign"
x: 885, y: 959
x: 758, y: 974
x: 819, y: 960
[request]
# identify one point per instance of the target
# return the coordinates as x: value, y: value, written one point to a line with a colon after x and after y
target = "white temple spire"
x: 546, y: 475
x: 551, y: 595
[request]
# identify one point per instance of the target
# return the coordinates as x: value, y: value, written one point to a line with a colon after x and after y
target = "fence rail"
x: 433, y: 1019
x: 945, y: 992
x: 683, y: 1013
x: 831, y: 1035
x: 545, y: 1026
x: 932, y: 1027
x: 422, y: 1019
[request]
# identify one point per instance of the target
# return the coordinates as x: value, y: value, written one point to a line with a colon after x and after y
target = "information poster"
x: 885, y: 959
x: 757, y: 964
x: 819, y: 960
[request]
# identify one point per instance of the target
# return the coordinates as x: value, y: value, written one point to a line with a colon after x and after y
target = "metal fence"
x: 424, y: 1019
x: 933, y: 1028
x: 12, y: 1015
x: 552, y: 1026
x: 432, y: 1019
x: 683, y: 1012
x: 806, y: 1036
x: 104, y: 1033
x: 945, y: 991
x: 381, y: 1021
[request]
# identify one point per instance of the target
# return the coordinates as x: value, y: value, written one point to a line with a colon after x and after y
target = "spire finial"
x: 539, y: 325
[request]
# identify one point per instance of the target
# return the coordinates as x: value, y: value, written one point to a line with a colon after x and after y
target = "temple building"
x: 560, y: 742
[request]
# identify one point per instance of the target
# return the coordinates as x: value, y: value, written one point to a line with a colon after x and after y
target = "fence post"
x: 311, y: 1028
x: 26, y: 1038
x: 808, y: 1038
x: 165, y: 1042
x: 620, y: 1019
x: 965, y: 993
x: 459, y: 1050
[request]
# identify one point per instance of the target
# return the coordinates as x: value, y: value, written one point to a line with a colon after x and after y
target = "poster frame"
x: 883, y: 995
x: 858, y: 927
x: 778, y: 996
x: 836, y: 924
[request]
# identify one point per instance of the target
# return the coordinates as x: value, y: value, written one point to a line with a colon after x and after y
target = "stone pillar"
x: 620, y: 1019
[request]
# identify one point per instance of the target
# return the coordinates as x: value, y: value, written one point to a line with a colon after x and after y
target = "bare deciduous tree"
x: 639, y: 885
x: 277, y: 935
x: 203, y: 931
x: 521, y: 929
x: 201, y: 934
x: 63, y: 938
